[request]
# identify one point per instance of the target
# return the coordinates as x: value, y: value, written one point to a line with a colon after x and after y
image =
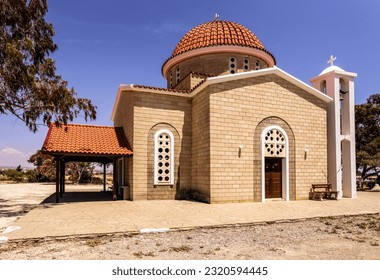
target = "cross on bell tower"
x: 331, y: 60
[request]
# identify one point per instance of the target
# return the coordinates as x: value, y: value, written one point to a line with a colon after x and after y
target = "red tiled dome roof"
x: 217, y: 33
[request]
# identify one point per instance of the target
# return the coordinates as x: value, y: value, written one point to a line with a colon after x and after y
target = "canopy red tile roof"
x: 86, y: 140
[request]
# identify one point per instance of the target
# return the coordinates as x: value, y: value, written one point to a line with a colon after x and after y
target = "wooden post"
x: 61, y: 177
x: 104, y: 177
x: 115, y: 182
x: 57, y: 180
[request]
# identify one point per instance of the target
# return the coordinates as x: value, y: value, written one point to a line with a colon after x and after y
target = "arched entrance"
x: 274, y: 164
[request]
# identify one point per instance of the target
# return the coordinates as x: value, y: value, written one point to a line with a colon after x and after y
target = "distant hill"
x: 14, y: 167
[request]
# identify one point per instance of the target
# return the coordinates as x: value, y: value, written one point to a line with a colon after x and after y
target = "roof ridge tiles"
x: 162, y: 89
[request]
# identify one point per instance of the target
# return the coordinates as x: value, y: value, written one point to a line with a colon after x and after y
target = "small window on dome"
x: 246, y: 64
x: 258, y: 65
x: 177, y: 74
x: 171, y: 79
x: 232, y: 65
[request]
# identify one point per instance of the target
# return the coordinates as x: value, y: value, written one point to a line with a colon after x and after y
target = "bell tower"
x: 339, y: 85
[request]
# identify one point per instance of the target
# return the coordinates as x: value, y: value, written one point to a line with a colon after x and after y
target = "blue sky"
x: 105, y: 43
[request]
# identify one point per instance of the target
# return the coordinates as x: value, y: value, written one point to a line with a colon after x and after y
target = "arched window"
x: 275, y: 143
x: 323, y: 87
x: 163, y: 157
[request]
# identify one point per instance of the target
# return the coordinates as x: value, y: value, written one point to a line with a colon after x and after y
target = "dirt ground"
x: 338, y: 238
x: 344, y: 237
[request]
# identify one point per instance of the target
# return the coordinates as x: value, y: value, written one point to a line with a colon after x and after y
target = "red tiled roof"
x: 218, y: 33
x: 86, y: 139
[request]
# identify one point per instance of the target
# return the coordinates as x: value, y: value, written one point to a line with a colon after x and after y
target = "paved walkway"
x: 101, y: 217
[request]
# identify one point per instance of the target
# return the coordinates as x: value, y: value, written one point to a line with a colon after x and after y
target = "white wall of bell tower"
x: 339, y: 85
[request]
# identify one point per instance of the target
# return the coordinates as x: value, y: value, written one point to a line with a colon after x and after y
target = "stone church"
x: 230, y: 126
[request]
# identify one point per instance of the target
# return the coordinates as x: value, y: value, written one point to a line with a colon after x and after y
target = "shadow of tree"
x: 8, y: 210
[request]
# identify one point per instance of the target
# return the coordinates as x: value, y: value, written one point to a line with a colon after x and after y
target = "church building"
x: 229, y: 127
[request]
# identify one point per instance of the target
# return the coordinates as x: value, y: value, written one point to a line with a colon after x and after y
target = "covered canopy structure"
x: 85, y: 143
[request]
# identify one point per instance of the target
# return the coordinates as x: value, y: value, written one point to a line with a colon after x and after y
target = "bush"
x: 97, y: 181
x: 34, y: 176
x: 15, y: 175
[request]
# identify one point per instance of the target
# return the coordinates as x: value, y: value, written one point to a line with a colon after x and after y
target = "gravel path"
x: 344, y: 237
x: 350, y: 237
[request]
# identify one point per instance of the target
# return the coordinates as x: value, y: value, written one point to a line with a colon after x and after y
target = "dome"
x: 219, y: 33
x: 330, y: 69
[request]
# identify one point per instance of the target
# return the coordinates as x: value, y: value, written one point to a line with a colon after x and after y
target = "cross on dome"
x: 216, y: 17
x: 331, y: 60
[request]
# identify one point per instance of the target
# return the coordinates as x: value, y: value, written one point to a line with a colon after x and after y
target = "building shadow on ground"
x: 80, y: 197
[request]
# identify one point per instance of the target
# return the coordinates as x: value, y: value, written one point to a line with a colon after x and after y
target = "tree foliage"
x: 29, y: 87
x: 45, y: 167
x: 368, y: 136
x: 78, y: 172
x: 15, y: 175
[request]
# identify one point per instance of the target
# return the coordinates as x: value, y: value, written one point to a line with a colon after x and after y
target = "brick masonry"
x: 208, y: 130
x: 213, y: 64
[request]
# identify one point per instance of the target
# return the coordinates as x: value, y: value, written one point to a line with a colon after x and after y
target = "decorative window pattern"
x: 232, y: 65
x: 275, y: 144
x: 163, y: 158
x: 177, y: 74
x: 246, y: 64
x: 171, y: 79
x: 257, y: 65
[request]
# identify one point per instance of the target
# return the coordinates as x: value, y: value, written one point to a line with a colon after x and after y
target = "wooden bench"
x: 321, y: 191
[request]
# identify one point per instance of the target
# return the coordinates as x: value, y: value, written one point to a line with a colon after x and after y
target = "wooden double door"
x: 273, y: 177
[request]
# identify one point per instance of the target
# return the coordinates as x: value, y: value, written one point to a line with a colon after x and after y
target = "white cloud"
x: 166, y: 28
x: 13, y: 157
x: 8, y: 151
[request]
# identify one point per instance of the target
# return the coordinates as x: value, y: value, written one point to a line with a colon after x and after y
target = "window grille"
x: 163, y: 158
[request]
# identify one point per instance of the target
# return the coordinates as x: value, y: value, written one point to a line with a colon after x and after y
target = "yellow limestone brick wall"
x: 149, y: 111
x: 236, y: 109
x: 124, y: 118
x: 189, y: 82
x: 200, y: 181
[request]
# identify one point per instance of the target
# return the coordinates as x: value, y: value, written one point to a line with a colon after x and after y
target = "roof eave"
x: 261, y: 53
x: 267, y: 71
x: 122, y: 87
x: 226, y: 78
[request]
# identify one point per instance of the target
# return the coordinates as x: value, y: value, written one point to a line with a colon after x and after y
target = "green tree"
x: 29, y: 87
x: 367, y: 125
x: 45, y: 167
x: 80, y: 172
x: 15, y: 175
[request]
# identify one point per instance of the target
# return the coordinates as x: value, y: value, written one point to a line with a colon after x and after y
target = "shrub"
x: 15, y: 175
